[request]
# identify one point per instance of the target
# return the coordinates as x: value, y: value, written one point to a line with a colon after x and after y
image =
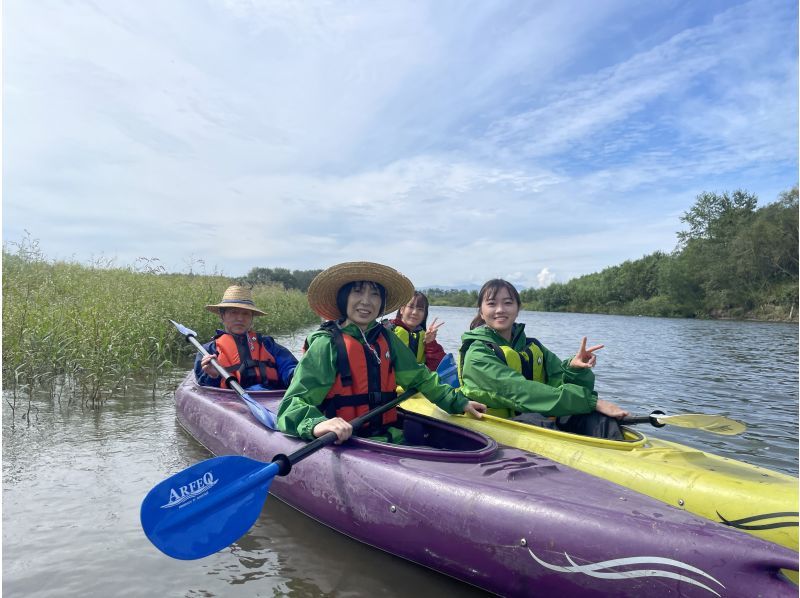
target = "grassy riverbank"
x: 83, y: 333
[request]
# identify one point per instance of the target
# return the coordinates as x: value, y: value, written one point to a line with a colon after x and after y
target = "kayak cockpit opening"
x: 434, y: 440
x: 630, y: 435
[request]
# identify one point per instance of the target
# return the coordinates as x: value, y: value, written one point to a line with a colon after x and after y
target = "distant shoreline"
x: 750, y: 316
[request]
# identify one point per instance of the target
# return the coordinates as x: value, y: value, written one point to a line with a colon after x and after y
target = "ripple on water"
x: 73, y: 483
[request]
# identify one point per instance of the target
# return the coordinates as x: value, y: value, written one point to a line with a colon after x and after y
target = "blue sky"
x: 454, y: 140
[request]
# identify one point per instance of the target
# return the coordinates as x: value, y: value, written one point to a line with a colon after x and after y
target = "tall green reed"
x: 84, y: 333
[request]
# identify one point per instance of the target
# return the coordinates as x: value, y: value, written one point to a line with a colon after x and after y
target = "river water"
x: 74, y: 479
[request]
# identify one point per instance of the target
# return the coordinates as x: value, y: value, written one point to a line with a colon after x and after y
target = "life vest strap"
x: 372, y: 339
x: 413, y: 339
x: 413, y: 342
x: 364, y: 368
x: 528, y: 361
x: 342, y: 363
x: 248, y: 365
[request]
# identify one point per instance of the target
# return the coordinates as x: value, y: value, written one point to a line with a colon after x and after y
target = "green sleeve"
x: 487, y: 379
x: 315, y: 374
x: 410, y: 374
x: 559, y: 371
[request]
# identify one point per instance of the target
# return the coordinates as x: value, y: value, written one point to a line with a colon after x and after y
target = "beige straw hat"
x: 323, y: 289
x: 237, y: 296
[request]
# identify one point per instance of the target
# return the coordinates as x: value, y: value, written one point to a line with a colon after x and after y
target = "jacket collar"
x: 517, y: 330
x: 399, y: 322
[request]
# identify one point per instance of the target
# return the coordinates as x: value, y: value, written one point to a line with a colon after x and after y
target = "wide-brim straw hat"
x: 323, y: 289
x: 236, y: 296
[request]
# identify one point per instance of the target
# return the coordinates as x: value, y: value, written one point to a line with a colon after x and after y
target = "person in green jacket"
x: 518, y: 377
x: 352, y: 363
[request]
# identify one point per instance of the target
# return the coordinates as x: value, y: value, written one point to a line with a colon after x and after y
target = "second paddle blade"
x: 261, y: 413
x: 207, y: 506
x: 717, y: 424
x: 448, y: 371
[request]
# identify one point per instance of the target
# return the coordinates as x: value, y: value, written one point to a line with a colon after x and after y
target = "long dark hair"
x: 417, y: 300
x: 488, y: 291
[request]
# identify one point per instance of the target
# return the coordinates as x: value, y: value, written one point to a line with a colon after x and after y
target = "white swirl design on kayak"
x: 595, y: 569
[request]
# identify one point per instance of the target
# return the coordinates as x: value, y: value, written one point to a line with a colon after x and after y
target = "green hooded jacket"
x: 316, y: 373
x: 485, y: 378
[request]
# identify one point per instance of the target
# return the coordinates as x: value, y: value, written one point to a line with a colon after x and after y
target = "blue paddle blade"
x: 207, y: 506
x: 448, y: 370
x: 261, y: 413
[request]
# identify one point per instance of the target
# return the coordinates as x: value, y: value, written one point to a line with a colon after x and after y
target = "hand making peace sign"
x: 585, y: 358
x: 433, y: 327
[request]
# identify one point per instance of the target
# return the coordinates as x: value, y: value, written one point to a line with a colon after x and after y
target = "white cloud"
x: 515, y: 138
x: 545, y: 278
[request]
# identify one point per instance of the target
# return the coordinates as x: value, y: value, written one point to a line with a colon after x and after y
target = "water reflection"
x: 73, y: 482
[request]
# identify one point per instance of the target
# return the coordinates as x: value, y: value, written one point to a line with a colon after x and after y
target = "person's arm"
x: 202, y: 378
x: 285, y: 361
x: 490, y: 381
x: 434, y: 353
x: 559, y: 372
x: 410, y: 374
x: 313, y: 377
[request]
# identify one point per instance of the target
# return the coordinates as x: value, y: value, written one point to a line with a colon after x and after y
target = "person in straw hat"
x: 353, y: 363
x: 257, y: 361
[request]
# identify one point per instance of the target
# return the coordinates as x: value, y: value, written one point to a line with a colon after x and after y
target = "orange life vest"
x: 363, y: 381
x: 246, y: 357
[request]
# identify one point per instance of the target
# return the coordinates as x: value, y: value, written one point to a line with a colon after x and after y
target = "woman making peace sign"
x: 516, y: 376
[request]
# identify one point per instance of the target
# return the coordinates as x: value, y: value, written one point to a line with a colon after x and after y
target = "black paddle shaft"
x: 644, y: 419
x: 285, y: 462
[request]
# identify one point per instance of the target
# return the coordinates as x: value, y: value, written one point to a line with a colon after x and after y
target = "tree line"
x: 454, y: 297
x: 288, y: 279
x: 734, y: 260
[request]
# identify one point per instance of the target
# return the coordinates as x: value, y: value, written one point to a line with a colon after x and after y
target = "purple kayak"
x: 499, y: 518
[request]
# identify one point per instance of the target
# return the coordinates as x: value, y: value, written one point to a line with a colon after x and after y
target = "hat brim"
x: 214, y: 309
x: 323, y: 289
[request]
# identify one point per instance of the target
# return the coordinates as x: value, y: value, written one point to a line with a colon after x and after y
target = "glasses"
x: 415, y: 308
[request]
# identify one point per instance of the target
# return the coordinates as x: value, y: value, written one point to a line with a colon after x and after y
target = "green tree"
x: 303, y: 278
x: 732, y: 259
x: 767, y: 250
x: 294, y: 279
x: 716, y: 217
x: 711, y: 250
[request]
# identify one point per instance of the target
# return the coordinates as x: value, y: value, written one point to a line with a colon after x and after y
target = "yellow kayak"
x: 750, y: 498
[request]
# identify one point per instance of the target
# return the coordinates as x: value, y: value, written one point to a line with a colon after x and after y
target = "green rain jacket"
x: 316, y: 373
x: 485, y: 378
